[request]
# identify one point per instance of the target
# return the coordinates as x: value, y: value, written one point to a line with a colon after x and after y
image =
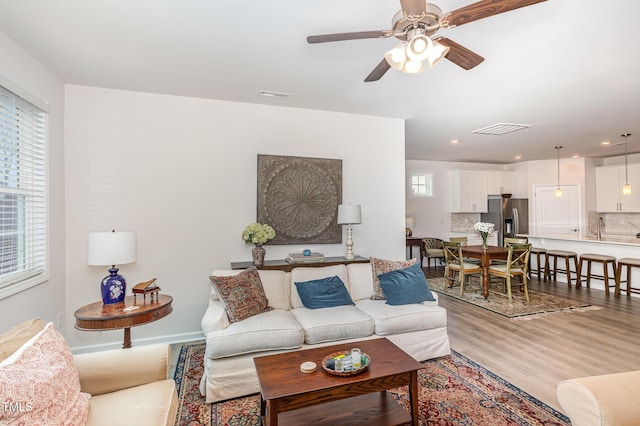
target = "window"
x: 23, y: 216
x: 422, y: 184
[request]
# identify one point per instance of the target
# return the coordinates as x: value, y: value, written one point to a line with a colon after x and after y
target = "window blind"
x: 23, y: 215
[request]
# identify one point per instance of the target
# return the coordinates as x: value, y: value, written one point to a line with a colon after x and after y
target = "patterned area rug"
x: 540, y: 304
x: 453, y: 391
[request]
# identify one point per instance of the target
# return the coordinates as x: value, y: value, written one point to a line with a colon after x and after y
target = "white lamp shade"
x: 349, y: 214
x: 419, y: 47
x: 411, y: 222
x: 112, y: 248
x: 412, y: 67
x: 396, y: 57
x: 436, y: 53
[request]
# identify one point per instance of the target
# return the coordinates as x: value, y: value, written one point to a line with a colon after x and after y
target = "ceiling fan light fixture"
x: 436, y: 53
x: 412, y: 67
x: 396, y: 57
x: 419, y: 47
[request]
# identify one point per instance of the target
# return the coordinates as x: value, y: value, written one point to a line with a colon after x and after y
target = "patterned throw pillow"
x: 242, y: 295
x: 381, y: 266
x: 39, y: 384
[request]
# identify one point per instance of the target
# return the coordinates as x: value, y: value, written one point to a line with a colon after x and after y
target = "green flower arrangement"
x: 256, y: 233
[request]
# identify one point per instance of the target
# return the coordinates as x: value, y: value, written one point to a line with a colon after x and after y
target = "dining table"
x: 486, y: 255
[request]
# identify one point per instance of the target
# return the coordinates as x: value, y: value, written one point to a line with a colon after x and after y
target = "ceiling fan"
x: 415, y: 25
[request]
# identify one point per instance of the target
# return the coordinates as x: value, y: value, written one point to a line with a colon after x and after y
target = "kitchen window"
x: 23, y: 201
x: 422, y: 184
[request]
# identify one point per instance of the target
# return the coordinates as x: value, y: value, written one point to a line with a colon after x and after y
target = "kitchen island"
x: 609, y: 244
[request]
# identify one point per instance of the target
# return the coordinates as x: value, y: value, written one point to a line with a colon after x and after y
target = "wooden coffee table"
x: 318, y: 398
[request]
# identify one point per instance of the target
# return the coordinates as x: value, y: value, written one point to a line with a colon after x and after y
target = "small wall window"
x: 422, y: 184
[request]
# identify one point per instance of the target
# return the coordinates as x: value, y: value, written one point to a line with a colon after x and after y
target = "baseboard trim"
x: 172, y: 338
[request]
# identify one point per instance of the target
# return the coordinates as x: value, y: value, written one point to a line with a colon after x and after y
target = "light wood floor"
x: 536, y: 355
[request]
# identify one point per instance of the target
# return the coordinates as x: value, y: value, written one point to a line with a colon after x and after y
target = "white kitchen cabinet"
x: 499, y: 182
x: 469, y: 191
x: 609, y: 182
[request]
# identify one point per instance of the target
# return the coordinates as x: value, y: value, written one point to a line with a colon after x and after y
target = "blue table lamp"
x: 112, y: 248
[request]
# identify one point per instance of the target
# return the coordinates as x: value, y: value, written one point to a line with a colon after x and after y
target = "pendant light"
x: 626, y: 188
x: 558, y: 189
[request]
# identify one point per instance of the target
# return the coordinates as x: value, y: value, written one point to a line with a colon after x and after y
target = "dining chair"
x: 516, y: 266
x: 464, y: 241
x: 518, y: 240
x: 455, y: 264
x: 507, y: 242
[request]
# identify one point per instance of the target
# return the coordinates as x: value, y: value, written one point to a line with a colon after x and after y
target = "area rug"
x: 539, y: 305
x: 453, y: 390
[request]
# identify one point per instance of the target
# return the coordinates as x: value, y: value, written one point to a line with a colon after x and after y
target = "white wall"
x: 23, y: 75
x: 181, y: 172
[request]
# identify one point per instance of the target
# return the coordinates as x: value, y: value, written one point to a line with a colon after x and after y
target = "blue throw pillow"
x: 323, y: 293
x: 405, y: 286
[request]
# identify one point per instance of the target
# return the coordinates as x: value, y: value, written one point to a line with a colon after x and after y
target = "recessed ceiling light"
x: 575, y: 156
x: 455, y: 141
x: 272, y: 94
x: 518, y: 157
x: 605, y: 143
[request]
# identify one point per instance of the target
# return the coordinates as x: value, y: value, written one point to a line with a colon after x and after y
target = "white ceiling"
x: 568, y: 68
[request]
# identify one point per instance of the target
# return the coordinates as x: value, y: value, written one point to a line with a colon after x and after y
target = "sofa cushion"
x: 360, y: 280
x: 41, y: 383
x: 404, y: 286
x: 13, y: 339
x: 381, y: 266
x: 149, y: 404
x: 323, y: 293
x: 336, y: 323
x: 301, y: 274
x: 273, y: 330
x: 275, y: 284
x: 403, y: 318
x: 242, y: 295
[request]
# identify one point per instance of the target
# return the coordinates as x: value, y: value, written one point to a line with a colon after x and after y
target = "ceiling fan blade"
x: 484, y: 9
x: 413, y: 7
x: 378, y: 71
x: 347, y: 36
x: 460, y: 55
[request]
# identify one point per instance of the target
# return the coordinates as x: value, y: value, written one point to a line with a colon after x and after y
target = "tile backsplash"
x: 463, y: 222
x: 615, y: 223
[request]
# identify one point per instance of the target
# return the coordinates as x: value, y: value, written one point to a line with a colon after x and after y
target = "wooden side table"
x: 99, y: 317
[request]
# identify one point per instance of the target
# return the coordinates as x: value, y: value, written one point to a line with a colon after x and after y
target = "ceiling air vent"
x: 501, y: 129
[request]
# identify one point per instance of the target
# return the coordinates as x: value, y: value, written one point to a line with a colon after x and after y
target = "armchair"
x: 432, y: 250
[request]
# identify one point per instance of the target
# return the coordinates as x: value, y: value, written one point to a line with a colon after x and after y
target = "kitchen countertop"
x: 605, y: 239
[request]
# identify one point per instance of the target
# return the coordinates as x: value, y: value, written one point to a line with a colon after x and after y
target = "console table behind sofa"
x: 283, y: 265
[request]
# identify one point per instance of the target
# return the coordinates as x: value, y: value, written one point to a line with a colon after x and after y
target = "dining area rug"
x: 539, y: 304
x: 453, y: 390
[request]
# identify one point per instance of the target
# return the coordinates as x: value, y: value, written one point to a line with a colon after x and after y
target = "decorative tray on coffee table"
x: 328, y: 364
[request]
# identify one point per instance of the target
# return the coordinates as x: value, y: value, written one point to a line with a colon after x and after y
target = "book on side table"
x: 301, y: 258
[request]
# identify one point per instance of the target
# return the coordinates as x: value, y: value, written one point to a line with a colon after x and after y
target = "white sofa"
x: 420, y: 329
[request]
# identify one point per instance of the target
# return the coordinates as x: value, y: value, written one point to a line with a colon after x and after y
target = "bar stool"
x: 606, y: 260
x: 629, y: 263
x: 538, y: 252
x: 567, y: 256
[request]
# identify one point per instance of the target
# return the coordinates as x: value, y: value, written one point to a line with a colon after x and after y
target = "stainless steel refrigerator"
x: 509, y: 215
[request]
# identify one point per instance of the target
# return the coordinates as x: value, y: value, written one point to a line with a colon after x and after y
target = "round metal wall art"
x: 299, y: 198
